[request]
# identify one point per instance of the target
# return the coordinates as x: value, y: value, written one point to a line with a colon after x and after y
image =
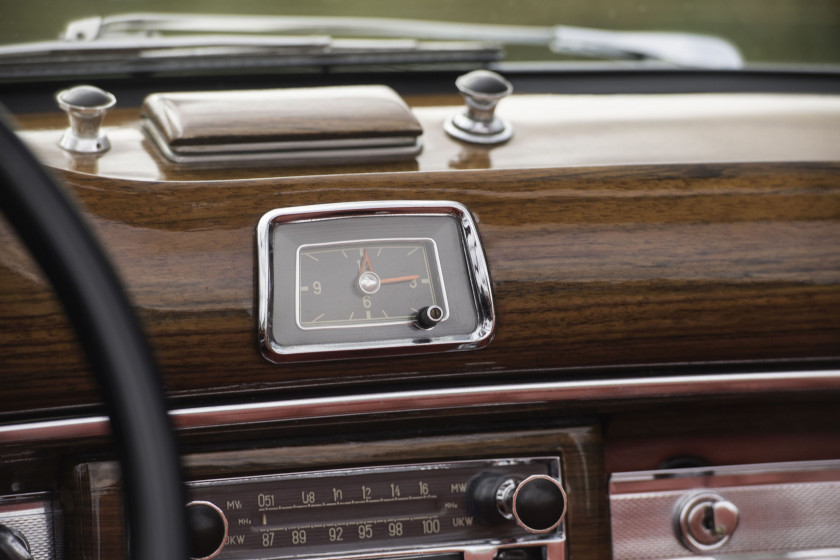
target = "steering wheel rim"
x: 86, y: 284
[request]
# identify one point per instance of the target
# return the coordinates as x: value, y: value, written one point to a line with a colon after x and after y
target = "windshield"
x: 764, y: 31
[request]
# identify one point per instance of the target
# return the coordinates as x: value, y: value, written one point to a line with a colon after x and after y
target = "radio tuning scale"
x: 467, y: 507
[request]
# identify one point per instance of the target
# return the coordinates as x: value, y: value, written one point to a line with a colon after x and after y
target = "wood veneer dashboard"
x: 611, y: 266
x: 692, y: 242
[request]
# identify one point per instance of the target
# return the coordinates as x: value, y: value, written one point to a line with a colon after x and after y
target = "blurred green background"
x: 778, y: 31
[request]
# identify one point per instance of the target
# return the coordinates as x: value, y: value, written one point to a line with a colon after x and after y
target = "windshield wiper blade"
x: 158, y: 43
x: 689, y: 50
x: 163, y: 54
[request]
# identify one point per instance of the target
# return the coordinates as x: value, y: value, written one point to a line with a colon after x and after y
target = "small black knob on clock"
x: 430, y: 316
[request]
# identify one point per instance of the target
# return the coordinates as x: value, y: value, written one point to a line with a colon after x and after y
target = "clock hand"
x: 365, y: 264
x: 399, y: 279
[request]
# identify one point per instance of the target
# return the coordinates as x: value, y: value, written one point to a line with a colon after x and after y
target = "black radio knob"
x: 537, y: 503
x: 13, y: 545
x: 208, y: 530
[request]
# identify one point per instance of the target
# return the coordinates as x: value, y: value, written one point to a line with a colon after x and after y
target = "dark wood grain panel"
x: 784, y: 429
x: 591, y: 267
x: 93, y: 499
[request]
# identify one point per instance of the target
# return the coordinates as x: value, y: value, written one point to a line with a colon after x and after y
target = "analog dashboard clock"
x: 367, y: 278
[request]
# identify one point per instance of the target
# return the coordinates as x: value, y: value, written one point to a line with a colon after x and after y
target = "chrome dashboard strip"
x: 754, y: 474
x: 442, y: 399
x: 51, y: 430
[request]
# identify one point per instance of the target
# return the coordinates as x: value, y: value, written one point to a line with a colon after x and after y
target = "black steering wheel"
x: 68, y: 253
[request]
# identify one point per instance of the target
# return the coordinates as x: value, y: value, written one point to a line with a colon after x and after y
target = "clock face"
x: 368, y: 282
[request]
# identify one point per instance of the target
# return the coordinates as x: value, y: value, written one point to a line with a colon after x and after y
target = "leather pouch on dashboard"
x: 299, y: 125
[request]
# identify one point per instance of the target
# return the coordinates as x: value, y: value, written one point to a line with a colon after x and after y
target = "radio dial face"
x: 397, y: 508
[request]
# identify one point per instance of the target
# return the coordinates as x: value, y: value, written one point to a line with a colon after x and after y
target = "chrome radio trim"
x: 477, y: 271
x: 555, y: 549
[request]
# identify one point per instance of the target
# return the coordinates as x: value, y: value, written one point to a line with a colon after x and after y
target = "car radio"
x: 480, y: 509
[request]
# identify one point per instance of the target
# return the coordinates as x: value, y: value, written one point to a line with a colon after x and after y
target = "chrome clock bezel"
x: 424, y: 340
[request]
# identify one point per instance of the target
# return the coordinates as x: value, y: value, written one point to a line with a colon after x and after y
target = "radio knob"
x: 537, y: 503
x: 13, y: 545
x: 209, y: 530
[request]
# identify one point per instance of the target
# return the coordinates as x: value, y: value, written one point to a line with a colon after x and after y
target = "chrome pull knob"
x: 86, y: 107
x: 706, y: 522
x: 478, y: 123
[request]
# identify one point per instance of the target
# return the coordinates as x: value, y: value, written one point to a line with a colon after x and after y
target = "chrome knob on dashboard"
x: 478, y: 123
x: 537, y: 503
x: 13, y: 545
x: 86, y: 107
x: 208, y: 530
